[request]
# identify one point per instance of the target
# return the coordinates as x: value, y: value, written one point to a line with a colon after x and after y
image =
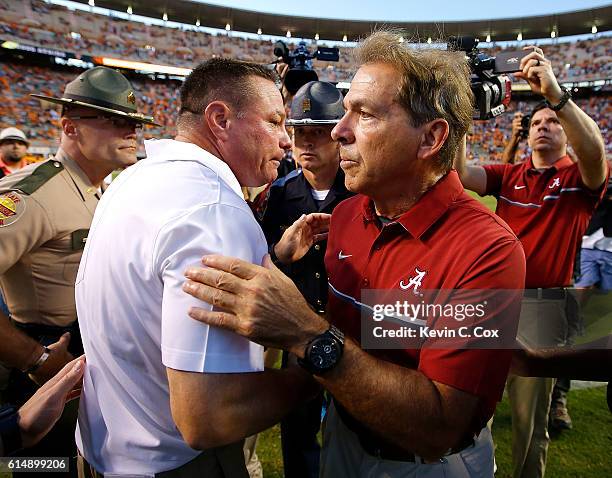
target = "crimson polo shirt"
x: 4, y: 169
x: 459, y: 244
x: 549, y: 211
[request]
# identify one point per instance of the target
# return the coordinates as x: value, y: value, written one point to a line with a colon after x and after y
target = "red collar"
x: 4, y: 167
x: 428, y: 209
x: 561, y: 163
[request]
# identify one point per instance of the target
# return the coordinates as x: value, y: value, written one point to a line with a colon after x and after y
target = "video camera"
x: 300, y: 63
x: 492, y: 89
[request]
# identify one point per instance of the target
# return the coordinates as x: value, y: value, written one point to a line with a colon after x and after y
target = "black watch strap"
x: 10, y: 434
x: 567, y: 95
x: 275, y: 260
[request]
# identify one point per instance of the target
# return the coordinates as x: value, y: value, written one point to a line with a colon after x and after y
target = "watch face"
x: 324, y: 353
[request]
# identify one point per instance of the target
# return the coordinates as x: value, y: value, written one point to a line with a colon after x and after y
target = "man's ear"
x: 433, y: 138
x: 218, y: 118
x: 68, y: 127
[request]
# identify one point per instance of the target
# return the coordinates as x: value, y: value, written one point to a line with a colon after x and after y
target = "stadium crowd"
x: 43, y: 24
x: 17, y: 81
x: 485, y: 142
x: 40, y: 23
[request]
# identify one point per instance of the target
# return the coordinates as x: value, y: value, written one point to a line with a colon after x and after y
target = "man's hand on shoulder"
x: 259, y: 303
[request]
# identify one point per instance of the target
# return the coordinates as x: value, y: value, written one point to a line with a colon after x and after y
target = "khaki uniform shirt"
x: 46, y: 210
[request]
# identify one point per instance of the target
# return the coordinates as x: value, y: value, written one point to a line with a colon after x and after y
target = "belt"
x: 221, y: 462
x: 383, y: 450
x: 386, y: 451
x: 551, y: 294
x: 47, y: 334
x: 45, y: 329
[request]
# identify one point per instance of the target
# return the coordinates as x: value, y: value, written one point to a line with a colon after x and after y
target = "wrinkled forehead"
x: 374, y: 81
x: 544, y: 113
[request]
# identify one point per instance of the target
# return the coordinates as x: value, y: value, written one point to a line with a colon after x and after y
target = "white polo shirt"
x: 156, y: 219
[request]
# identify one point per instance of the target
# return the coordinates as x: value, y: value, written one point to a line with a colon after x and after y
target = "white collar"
x: 172, y: 150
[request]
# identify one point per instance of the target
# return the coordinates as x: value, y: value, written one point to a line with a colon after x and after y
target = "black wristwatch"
x: 273, y: 257
x: 323, y: 352
x: 567, y: 95
x: 9, y: 429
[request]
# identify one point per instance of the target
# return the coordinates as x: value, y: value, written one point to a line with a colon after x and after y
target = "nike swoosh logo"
x: 343, y: 256
x: 520, y: 187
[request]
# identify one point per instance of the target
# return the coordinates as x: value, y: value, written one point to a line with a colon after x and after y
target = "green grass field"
x: 488, y: 201
x: 583, y: 452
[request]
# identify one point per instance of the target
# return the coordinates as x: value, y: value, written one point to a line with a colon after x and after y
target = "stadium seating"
x: 56, y: 26
x: 43, y: 24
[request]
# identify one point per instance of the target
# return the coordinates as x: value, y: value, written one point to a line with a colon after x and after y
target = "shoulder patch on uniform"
x: 280, y: 182
x: 39, y: 176
x: 12, y: 207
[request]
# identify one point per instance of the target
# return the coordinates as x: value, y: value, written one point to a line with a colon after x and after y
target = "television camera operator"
x: 547, y: 200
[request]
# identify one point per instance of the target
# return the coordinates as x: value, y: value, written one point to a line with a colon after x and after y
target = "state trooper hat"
x: 102, y: 89
x: 317, y: 102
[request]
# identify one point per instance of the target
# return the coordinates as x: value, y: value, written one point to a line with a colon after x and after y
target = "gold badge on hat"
x: 131, y: 98
x: 306, y: 105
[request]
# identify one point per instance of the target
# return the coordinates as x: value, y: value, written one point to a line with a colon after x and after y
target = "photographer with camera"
x: 548, y: 201
x: 520, y: 130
